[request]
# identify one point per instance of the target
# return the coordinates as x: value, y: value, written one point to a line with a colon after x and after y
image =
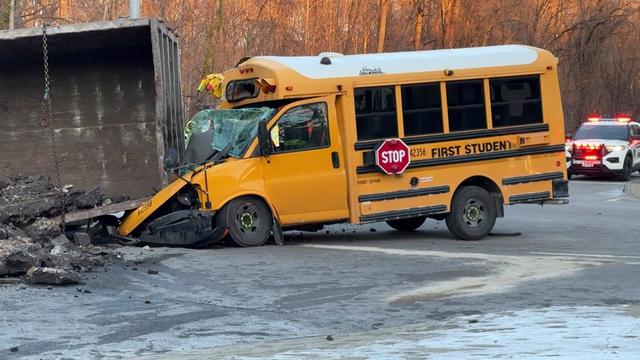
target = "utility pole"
x: 134, y: 9
x: 12, y: 12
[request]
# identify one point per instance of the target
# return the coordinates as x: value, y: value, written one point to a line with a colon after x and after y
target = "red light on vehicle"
x: 593, y: 118
x: 623, y: 119
x: 591, y: 157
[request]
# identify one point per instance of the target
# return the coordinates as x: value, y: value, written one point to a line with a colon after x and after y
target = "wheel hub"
x: 474, y: 213
x: 246, y: 220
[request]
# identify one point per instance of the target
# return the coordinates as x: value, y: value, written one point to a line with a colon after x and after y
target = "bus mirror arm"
x: 264, y: 140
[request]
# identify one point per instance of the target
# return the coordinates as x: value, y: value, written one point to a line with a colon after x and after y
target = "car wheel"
x: 626, y: 169
x: 248, y: 220
x: 569, y: 174
x: 473, y: 213
x: 407, y: 224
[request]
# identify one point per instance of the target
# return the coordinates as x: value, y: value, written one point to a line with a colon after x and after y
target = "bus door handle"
x: 335, y: 159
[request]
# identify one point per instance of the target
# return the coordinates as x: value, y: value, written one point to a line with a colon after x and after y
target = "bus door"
x: 305, y: 175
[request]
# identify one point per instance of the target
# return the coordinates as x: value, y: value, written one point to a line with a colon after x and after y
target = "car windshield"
x: 607, y: 132
x: 211, y: 130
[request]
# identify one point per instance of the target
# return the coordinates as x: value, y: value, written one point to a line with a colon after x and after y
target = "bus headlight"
x: 614, y: 148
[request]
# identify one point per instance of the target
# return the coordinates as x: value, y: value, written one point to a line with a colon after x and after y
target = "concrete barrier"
x: 632, y: 187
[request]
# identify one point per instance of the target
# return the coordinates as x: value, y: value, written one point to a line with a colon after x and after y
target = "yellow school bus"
x: 300, y: 142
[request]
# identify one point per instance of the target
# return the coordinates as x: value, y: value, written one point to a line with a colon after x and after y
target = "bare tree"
x: 382, y: 25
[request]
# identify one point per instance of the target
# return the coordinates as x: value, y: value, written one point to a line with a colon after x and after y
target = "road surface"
x: 567, y: 287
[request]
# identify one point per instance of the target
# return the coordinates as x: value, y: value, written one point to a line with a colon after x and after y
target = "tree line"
x: 595, y: 40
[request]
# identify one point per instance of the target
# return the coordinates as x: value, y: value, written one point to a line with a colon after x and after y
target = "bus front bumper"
x: 183, y: 228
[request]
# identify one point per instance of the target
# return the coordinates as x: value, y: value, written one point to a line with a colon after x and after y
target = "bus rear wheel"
x: 407, y: 224
x: 248, y: 220
x: 473, y: 213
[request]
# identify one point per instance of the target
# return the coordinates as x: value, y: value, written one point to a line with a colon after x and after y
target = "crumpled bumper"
x: 183, y: 228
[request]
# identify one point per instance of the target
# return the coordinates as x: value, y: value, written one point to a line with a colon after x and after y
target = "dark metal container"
x: 115, y: 91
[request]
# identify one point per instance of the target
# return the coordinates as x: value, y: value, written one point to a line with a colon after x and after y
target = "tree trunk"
x: 382, y: 28
x: 12, y: 14
x: 417, y: 37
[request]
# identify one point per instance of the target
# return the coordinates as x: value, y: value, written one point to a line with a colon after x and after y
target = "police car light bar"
x: 618, y: 118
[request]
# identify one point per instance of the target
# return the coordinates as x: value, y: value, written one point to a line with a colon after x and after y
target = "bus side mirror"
x: 264, y: 140
x: 171, y: 160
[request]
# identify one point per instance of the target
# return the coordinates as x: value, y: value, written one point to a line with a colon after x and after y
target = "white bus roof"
x: 408, y: 62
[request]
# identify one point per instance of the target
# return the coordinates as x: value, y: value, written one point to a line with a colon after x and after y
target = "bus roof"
x: 407, y: 62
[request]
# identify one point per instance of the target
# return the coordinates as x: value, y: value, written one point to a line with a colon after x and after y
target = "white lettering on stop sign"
x: 392, y: 156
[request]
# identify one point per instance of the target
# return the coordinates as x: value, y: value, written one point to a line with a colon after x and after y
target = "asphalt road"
x: 567, y: 287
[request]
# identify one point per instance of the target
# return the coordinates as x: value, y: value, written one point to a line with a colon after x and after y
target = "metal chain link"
x: 47, y: 121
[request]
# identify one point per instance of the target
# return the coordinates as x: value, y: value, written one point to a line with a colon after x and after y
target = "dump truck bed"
x: 115, y: 91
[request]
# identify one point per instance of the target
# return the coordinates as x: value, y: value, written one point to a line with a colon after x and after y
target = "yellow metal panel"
x: 135, y: 218
x: 487, y: 103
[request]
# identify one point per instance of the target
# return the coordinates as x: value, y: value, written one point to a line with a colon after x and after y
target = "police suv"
x: 605, y: 146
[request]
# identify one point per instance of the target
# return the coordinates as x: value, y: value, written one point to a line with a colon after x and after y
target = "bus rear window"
x: 376, y: 113
x: 516, y: 101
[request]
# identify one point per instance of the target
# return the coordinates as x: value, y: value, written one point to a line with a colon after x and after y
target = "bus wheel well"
x: 488, y: 185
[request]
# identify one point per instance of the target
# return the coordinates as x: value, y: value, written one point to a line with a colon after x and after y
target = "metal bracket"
x: 278, y: 236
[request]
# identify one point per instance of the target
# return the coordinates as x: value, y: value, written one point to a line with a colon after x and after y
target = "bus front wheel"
x: 248, y: 220
x: 407, y: 224
x: 473, y: 213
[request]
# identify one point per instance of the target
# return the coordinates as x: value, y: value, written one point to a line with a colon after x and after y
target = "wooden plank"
x: 102, y: 210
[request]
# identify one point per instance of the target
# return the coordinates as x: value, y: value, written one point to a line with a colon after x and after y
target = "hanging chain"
x: 47, y: 121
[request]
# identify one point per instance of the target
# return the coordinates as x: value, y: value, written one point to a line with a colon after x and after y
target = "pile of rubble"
x: 32, y: 244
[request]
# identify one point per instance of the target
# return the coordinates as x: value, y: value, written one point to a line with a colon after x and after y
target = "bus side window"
x: 465, y: 102
x: 301, y: 128
x: 516, y: 101
x: 422, y: 109
x: 376, y: 116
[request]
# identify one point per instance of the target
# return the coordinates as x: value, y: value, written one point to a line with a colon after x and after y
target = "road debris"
x: 47, y: 275
x: 19, y: 255
x: 32, y: 243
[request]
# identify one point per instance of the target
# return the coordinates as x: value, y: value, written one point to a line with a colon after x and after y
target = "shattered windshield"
x: 211, y: 130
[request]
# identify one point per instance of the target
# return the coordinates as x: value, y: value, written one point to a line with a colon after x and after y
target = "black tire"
x: 407, y: 224
x: 248, y: 220
x: 569, y: 174
x: 473, y: 213
x: 626, y: 169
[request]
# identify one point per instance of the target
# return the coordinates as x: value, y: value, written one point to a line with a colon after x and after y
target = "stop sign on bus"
x: 392, y: 156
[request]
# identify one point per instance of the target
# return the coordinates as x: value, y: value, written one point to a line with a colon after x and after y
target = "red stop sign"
x: 392, y: 156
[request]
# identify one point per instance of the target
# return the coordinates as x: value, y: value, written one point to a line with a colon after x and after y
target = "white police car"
x: 605, y: 146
